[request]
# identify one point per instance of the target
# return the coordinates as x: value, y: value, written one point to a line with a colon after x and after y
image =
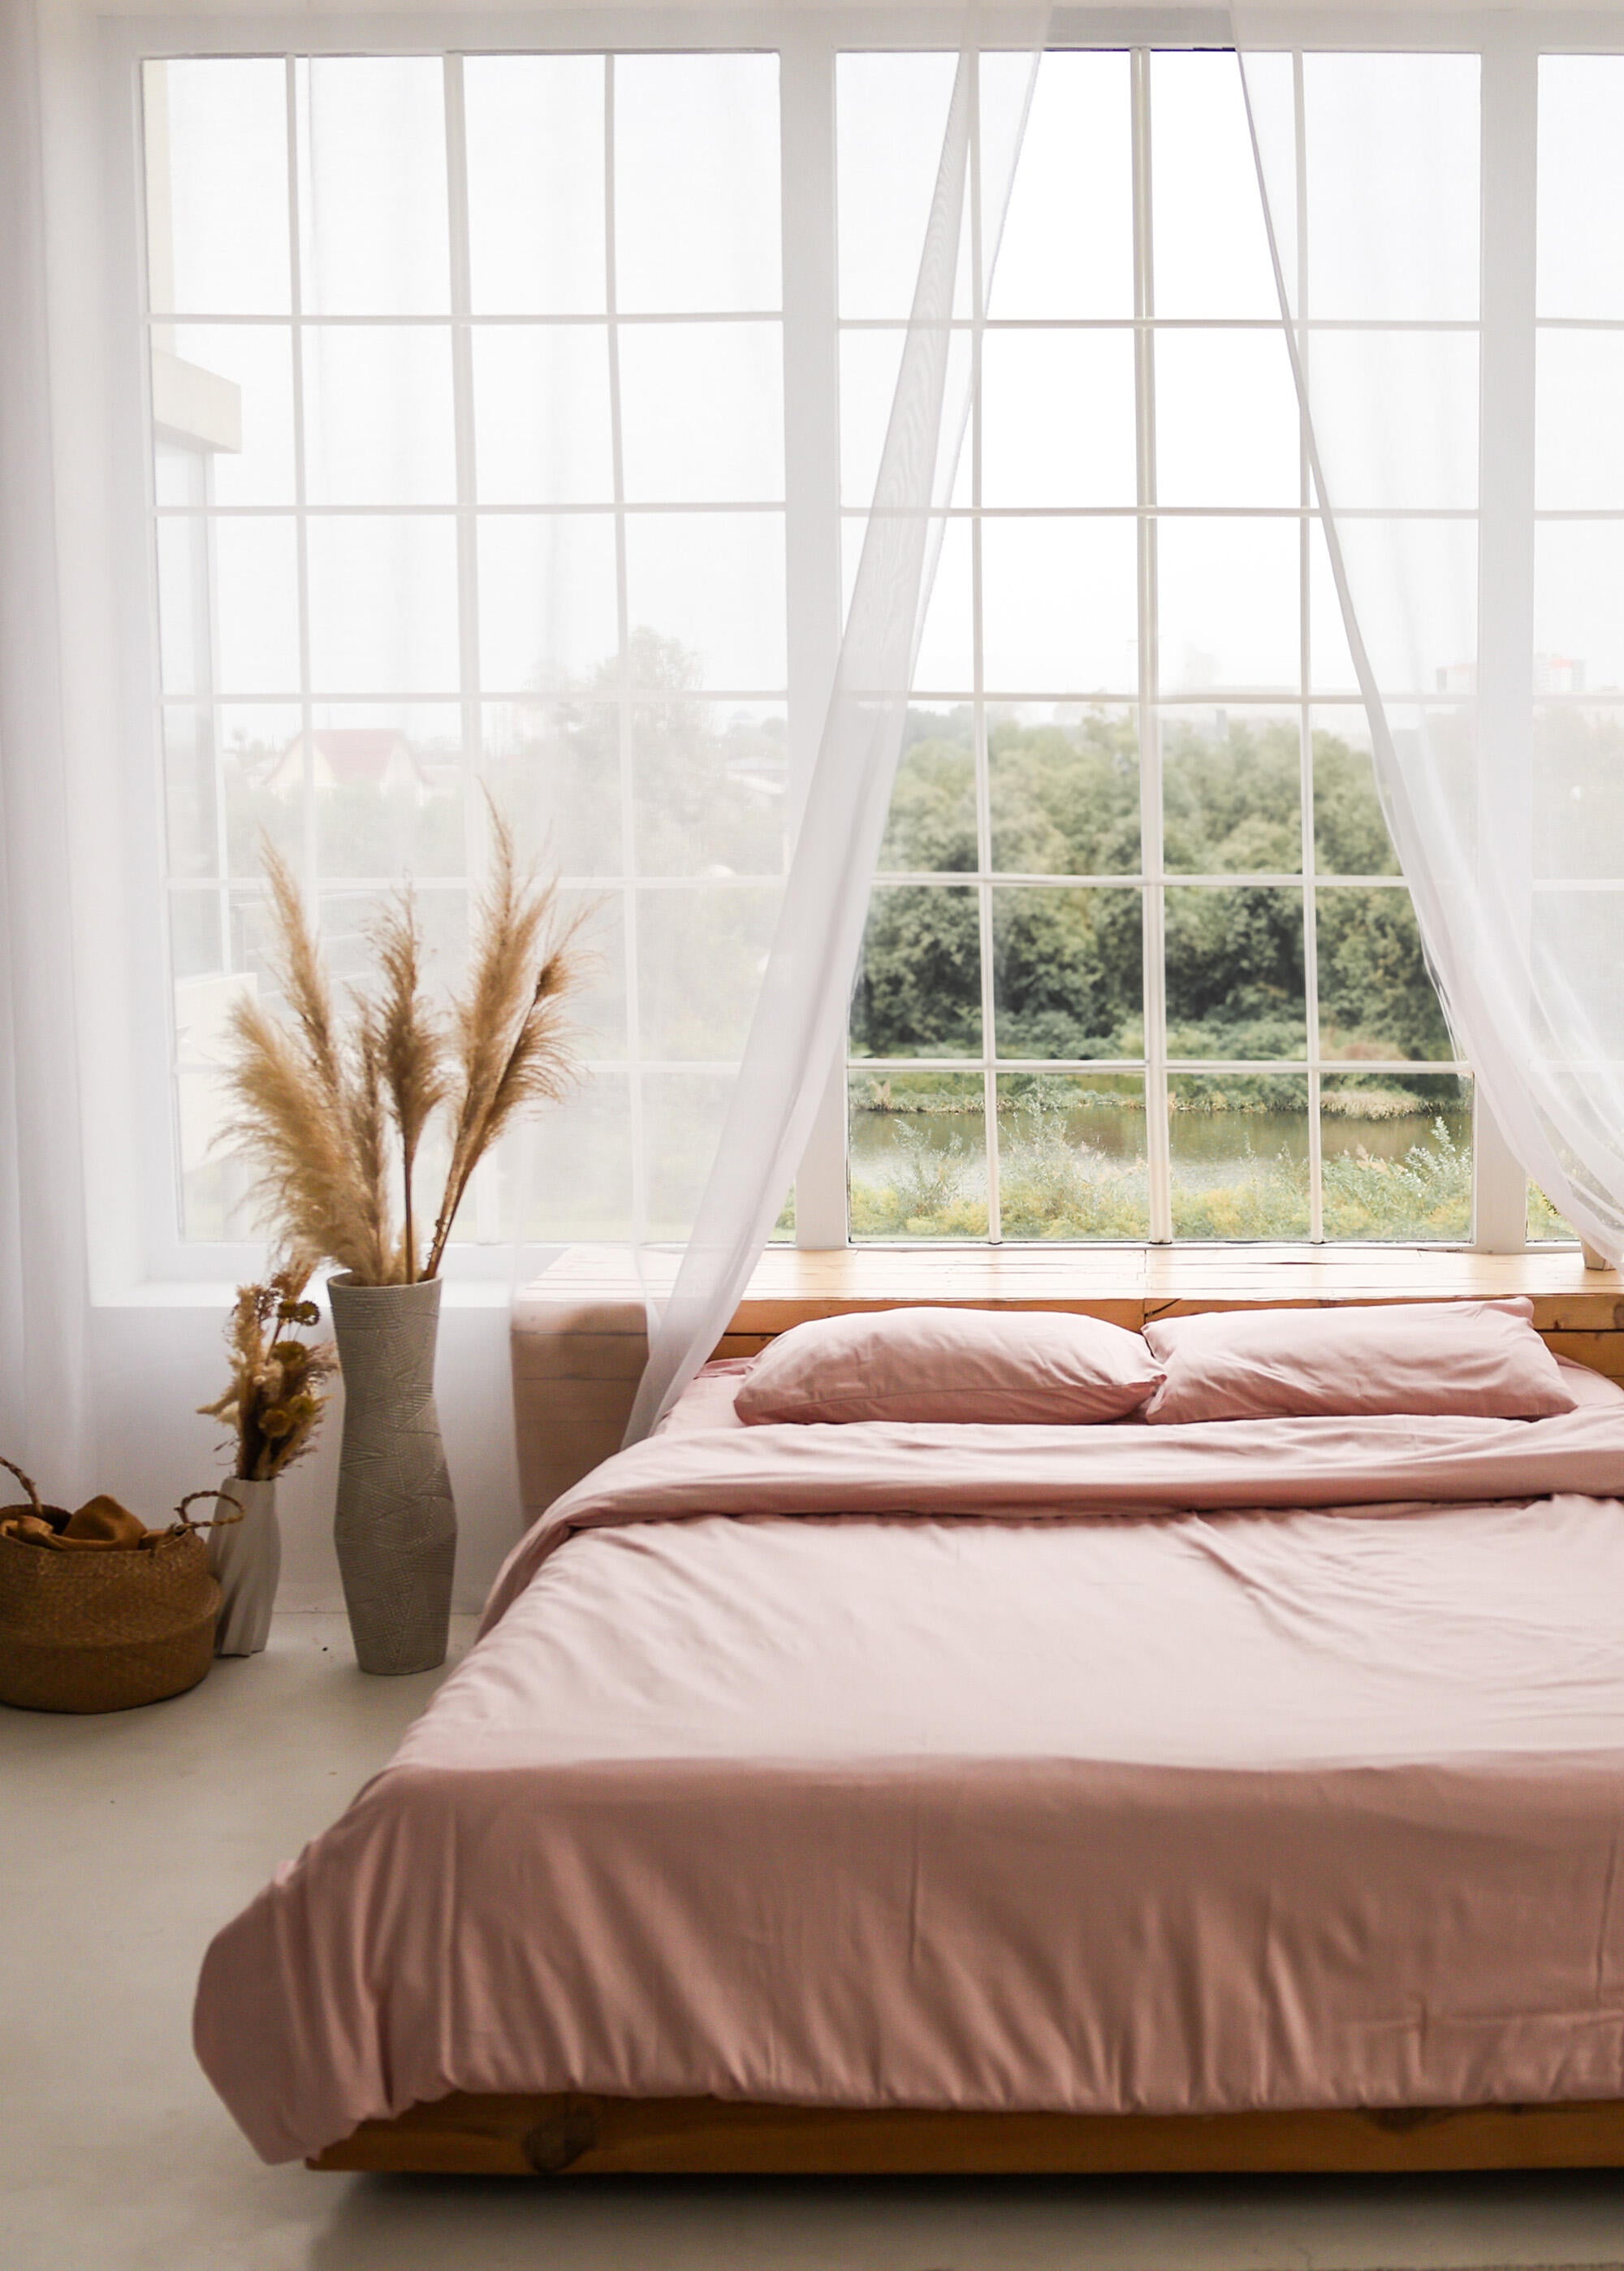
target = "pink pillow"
x: 1482, y: 1359
x: 993, y: 1365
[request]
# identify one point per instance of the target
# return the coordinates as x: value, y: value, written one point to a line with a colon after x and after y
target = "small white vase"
x: 246, y: 1559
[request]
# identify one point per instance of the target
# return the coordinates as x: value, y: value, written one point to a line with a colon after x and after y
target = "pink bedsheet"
x: 1042, y: 1773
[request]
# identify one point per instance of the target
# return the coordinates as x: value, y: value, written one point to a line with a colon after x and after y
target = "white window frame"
x: 807, y: 43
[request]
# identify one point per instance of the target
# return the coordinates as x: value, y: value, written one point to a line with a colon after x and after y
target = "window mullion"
x: 978, y: 701
x: 812, y: 515
x: 1505, y: 701
x: 476, y: 833
x: 1158, y: 1150
x: 635, y: 1117
x: 1305, y: 673
x: 302, y: 538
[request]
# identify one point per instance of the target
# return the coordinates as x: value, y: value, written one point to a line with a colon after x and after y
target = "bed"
x: 920, y: 1796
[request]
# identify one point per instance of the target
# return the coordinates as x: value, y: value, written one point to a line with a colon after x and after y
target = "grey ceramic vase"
x: 395, y: 1526
x: 245, y: 1558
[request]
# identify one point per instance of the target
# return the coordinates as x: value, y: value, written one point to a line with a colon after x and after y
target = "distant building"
x: 1557, y: 674
x: 1553, y: 674
x: 352, y: 757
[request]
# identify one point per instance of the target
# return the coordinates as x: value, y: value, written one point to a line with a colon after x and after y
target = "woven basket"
x: 104, y: 1632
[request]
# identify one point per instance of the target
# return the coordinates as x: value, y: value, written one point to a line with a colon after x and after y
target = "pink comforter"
x: 1045, y: 1768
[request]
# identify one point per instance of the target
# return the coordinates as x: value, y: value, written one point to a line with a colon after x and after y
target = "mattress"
x: 1201, y: 1769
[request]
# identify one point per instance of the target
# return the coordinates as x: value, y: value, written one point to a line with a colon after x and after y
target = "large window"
x: 474, y: 464
x: 1139, y: 963
x: 467, y: 390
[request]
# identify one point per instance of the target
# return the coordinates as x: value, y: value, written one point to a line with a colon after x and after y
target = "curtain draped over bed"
x: 798, y: 1026
x: 1466, y: 619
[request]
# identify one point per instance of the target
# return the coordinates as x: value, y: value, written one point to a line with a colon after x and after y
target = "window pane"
x: 535, y: 138
x: 1375, y: 999
x: 1580, y: 448
x: 192, y: 801
x: 1064, y: 786
x: 554, y: 769
x: 931, y: 825
x: 253, y: 744
x: 1068, y: 971
x: 1401, y: 130
x: 600, y: 1008
x: 1210, y: 247
x: 1578, y: 625
x: 946, y: 659
x: 1234, y: 972
x: 1350, y: 834
x: 680, y: 1113
x: 371, y: 153
x: 1229, y: 605
x: 228, y: 605
x: 383, y: 604
x: 378, y: 418
x: 696, y: 182
x: 702, y: 408
x: 548, y: 609
x: 387, y: 786
x: 1581, y: 193
x: 541, y: 414
x: 1057, y: 418
x: 1578, y: 927
x: 1226, y: 421
x: 223, y: 397
x: 1423, y: 457
x: 700, y: 955
x: 891, y: 111
x: 708, y: 788
x: 917, y: 1156
x: 1060, y: 611
x: 1072, y: 1157
x: 217, y: 209
x: 1579, y: 770
x: 345, y: 915
x: 918, y: 989
x: 1240, y: 1152
x: 573, y: 1165
x: 870, y: 361
x: 1067, y: 248
x: 1396, y: 1157
x: 715, y: 584
x: 1417, y: 582
x: 1231, y: 792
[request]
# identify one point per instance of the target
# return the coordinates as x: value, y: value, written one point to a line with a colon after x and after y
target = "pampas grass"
x: 330, y: 1110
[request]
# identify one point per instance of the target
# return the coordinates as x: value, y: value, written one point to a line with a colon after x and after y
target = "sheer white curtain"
x: 798, y: 1025
x: 43, y: 1272
x: 1437, y: 221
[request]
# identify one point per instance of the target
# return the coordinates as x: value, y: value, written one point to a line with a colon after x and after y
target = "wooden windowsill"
x: 592, y: 1290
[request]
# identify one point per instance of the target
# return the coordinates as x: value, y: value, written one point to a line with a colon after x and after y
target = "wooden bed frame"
x: 579, y: 1343
x: 581, y: 2136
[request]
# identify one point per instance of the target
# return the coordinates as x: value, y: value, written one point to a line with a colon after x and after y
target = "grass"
x: 1052, y: 1188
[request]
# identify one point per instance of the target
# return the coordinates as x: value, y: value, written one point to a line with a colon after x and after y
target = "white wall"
x: 153, y: 1360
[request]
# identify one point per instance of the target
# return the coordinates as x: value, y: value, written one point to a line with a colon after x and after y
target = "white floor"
x: 125, y: 1841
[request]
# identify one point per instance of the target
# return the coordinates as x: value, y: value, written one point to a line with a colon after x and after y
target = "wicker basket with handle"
x: 104, y: 1630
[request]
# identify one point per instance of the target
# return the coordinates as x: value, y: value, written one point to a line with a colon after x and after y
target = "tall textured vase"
x: 395, y: 1526
x: 246, y: 1559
